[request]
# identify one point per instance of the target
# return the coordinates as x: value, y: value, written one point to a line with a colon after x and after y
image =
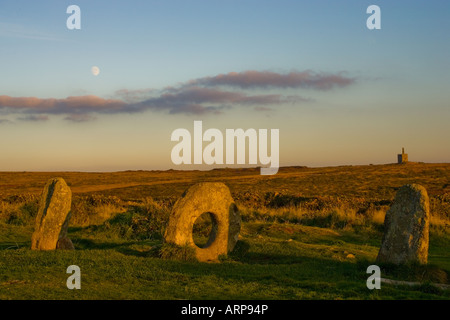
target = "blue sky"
x: 397, y: 95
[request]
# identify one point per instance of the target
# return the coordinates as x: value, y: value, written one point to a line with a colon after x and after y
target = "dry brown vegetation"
x: 331, y: 196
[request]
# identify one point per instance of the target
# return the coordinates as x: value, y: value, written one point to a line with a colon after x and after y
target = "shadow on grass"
x: 243, y: 254
x: 277, y: 270
x: 416, y: 273
x: 136, y: 253
x: 88, y: 244
x: 14, y: 245
x: 75, y: 229
x: 130, y: 248
x: 145, y: 251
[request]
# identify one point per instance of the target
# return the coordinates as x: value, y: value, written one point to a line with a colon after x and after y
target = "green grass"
x: 271, y: 261
x: 307, y: 233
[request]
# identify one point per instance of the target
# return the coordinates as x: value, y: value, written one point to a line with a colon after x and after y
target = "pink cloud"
x: 79, y: 117
x: 263, y: 79
x: 58, y: 106
x: 198, y: 96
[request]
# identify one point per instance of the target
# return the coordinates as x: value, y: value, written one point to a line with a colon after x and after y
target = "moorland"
x: 307, y: 233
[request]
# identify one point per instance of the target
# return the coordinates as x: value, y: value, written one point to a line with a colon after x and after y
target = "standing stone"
x: 206, y: 197
x: 406, y: 227
x: 53, y: 217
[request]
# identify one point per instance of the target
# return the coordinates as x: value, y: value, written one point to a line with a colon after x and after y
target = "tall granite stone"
x: 406, y: 227
x: 53, y: 217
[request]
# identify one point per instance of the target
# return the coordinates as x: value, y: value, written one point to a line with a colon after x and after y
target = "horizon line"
x: 226, y: 168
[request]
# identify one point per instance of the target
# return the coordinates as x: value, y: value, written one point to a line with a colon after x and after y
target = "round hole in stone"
x: 204, y: 230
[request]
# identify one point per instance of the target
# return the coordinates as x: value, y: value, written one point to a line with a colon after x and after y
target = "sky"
x: 339, y: 93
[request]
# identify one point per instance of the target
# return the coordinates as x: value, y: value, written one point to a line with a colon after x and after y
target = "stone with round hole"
x: 206, y: 197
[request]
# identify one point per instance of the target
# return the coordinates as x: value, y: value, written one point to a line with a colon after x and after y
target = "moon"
x: 95, y: 70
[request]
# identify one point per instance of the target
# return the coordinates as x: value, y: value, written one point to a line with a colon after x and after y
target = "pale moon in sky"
x: 95, y: 70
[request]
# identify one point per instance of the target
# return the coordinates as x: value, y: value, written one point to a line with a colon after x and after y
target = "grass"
x: 308, y: 245
x: 271, y: 261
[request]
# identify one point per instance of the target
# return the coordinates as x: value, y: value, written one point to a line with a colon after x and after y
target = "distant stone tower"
x: 403, y: 157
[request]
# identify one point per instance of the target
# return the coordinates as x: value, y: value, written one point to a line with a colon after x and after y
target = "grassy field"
x: 307, y: 233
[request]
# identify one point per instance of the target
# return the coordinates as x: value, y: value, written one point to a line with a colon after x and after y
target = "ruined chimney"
x: 403, y: 157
